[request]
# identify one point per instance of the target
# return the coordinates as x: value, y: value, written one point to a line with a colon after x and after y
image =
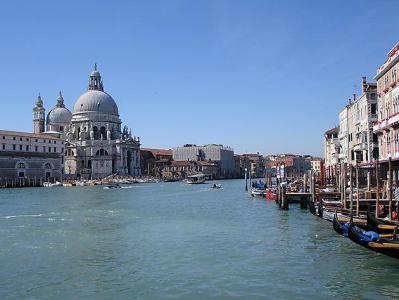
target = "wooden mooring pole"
x: 357, y: 190
x: 377, y: 178
x: 390, y: 187
x: 350, y: 189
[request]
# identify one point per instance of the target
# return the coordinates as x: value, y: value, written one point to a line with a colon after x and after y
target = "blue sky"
x: 259, y: 76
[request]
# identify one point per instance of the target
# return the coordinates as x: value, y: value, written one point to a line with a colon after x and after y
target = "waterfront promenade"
x: 177, y: 241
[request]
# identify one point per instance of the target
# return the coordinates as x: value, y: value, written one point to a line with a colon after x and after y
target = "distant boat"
x: 217, y: 186
x: 196, y: 179
x: 170, y: 179
x: 258, y: 192
x: 115, y: 186
x: 49, y: 184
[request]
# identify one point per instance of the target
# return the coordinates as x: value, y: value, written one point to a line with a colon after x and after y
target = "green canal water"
x: 176, y: 241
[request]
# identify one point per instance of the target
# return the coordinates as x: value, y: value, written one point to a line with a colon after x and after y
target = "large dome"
x: 59, y: 115
x: 96, y: 101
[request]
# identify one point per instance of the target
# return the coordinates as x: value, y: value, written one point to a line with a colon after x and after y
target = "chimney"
x: 354, y: 97
x: 364, y: 84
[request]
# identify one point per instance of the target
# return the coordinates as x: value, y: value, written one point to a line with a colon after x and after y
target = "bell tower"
x: 38, y: 116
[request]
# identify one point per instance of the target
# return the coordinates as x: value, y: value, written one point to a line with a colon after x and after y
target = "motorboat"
x: 258, y: 192
x: 52, y: 184
x: 196, y: 179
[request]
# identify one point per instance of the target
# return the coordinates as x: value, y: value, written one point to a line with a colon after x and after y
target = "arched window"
x: 21, y: 165
x: 101, y: 152
x: 103, y: 133
x: 96, y: 133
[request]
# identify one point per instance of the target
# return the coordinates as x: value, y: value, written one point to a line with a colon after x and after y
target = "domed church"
x: 95, y: 143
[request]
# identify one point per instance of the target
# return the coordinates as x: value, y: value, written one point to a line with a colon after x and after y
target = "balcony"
x: 386, y: 123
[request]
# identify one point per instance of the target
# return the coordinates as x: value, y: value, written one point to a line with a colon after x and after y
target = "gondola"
x: 320, y: 209
x: 312, y: 207
x: 340, y: 227
x: 374, y: 241
x: 378, y: 225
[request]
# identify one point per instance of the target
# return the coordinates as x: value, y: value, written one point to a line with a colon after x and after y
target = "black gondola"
x: 378, y: 225
x: 373, y: 241
x: 312, y: 207
x: 339, y: 227
x: 320, y: 209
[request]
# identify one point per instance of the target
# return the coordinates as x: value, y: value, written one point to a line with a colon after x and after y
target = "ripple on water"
x: 174, y: 241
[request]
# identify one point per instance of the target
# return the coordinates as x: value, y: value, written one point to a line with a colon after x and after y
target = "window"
x: 61, y: 128
x: 21, y: 165
x: 47, y: 166
x: 36, y: 148
x: 4, y: 146
x: 49, y: 149
x: 27, y: 147
x: 20, y: 147
x: 55, y: 142
x: 36, y: 140
x: 20, y: 139
x: 44, y: 148
x: 14, y: 147
x: 27, y: 139
x: 13, y: 138
x: 4, y: 137
x: 55, y: 149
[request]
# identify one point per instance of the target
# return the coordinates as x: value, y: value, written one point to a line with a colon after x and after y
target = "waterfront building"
x: 386, y: 127
x: 361, y: 117
x: 29, y: 159
x: 154, y: 161
x: 295, y: 165
x: 343, y: 135
x: 96, y: 145
x: 183, y: 169
x: 223, y: 156
x: 253, y: 162
x: 316, y: 164
x: 331, y: 153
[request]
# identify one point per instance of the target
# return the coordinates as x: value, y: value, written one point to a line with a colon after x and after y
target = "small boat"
x: 341, y: 223
x: 50, y: 184
x: 271, y: 195
x: 258, y: 192
x: 217, y: 186
x: 341, y: 228
x: 114, y: 186
x: 384, y: 244
x: 378, y: 225
x: 196, y: 179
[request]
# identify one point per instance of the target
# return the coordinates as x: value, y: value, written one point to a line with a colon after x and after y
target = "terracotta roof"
x: 180, y: 163
x: 28, y: 134
x: 332, y: 130
x: 158, y: 151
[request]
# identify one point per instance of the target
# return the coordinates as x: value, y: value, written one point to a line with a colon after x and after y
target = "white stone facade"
x: 387, y: 127
x: 96, y: 145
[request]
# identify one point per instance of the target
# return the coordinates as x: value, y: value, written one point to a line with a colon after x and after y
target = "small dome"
x: 96, y: 101
x: 95, y: 73
x: 59, y: 115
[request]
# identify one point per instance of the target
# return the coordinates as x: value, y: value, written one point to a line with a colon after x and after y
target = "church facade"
x: 96, y: 145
